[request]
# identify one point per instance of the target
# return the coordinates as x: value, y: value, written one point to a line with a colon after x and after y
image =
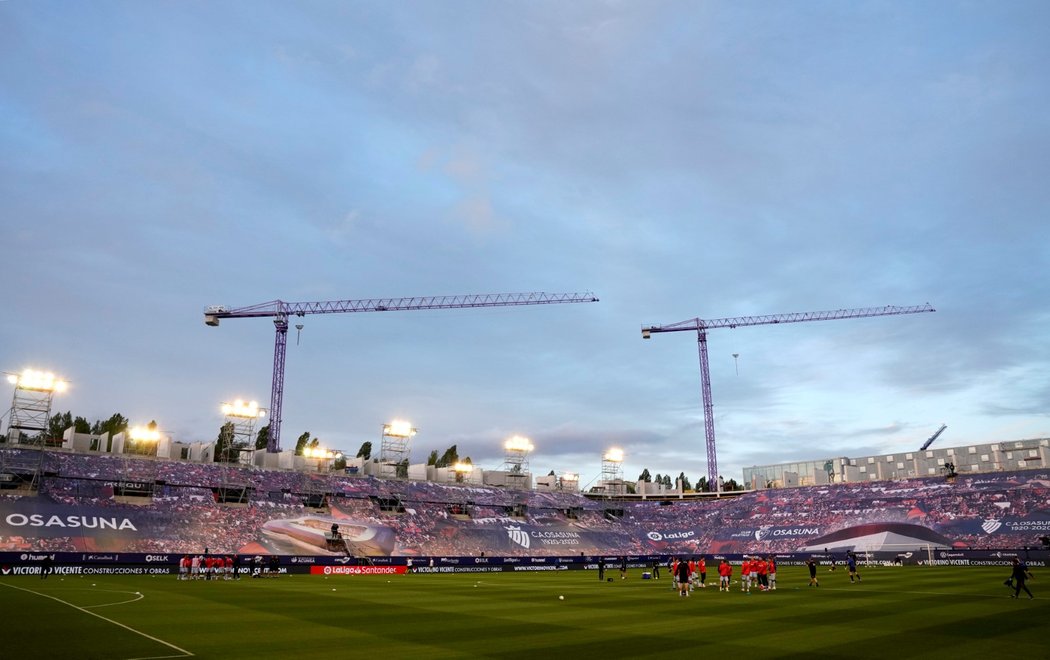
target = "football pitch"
x: 901, y: 612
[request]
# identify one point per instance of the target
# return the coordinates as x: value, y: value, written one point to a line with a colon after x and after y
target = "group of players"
x: 207, y: 567
x: 756, y: 571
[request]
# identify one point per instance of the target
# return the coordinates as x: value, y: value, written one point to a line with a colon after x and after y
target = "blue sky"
x: 679, y: 159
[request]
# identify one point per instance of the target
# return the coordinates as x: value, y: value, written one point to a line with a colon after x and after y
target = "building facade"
x: 1026, y: 454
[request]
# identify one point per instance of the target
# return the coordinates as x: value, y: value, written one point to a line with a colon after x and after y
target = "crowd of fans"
x: 182, y: 509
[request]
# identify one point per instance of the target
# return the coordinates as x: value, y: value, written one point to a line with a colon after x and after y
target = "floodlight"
x: 462, y: 468
x: 518, y: 443
x: 570, y: 476
x: 318, y: 452
x: 144, y: 434
x: 614, y: 455
x: 399, y: 429
x: 40, y: 381
x: 241, y: 409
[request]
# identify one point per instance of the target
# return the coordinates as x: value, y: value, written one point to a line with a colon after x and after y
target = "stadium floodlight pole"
x: 143, y: 435
x: 394, y: 450
x: 280, y: 311
x: 701, y: 326
x: 461, y: 471
x: 567, y: 478
x: 515, y: 460
x: 31, y: 404
x: 612, y: 471
x: 240, y: 420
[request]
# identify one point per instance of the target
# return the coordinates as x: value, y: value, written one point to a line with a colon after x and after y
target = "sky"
x: 679, y: 159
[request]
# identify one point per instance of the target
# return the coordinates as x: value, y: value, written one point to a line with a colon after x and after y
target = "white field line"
x: 184, y: 653
x: 137, y: 597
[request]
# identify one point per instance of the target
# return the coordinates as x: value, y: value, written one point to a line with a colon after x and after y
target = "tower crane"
x: 933, y: 437
x: 280, y: 310
x: 701, y: 326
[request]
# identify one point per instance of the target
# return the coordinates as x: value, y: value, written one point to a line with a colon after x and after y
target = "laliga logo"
x: 519, y: 536
x: 327, y: 570
x: 990, y: 526
x: 655, y: 536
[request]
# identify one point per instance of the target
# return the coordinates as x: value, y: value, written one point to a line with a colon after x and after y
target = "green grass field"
x: 904, y: 612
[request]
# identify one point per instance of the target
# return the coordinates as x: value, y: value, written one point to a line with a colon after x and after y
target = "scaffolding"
x: 238, y: 433
x: 516, y: 462
x: 612, y: 473
x: 394, y: 449
x: 27, y: 426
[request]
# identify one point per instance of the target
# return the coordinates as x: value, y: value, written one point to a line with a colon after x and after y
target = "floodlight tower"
x: 569, y: 481
x: 239, y: 425
x: 460, y: 472
x: 326, y: 457
x: 31, y: 405
x: 144, y: 437
x: 516, y: 461
x: 28, y: 420
x: 612, y: 471
x: 143, y: 441
x: 394, y: 449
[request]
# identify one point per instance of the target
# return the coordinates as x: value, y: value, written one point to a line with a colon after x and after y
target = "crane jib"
x: 280, y: 310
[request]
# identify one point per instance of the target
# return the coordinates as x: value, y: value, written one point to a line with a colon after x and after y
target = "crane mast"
x: 280, y: 310
x: 701, y: 326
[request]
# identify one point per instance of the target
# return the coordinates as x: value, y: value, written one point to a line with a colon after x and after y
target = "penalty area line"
x: 184, y: 653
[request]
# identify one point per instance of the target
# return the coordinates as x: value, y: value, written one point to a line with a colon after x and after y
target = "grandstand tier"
x: 98, y: 503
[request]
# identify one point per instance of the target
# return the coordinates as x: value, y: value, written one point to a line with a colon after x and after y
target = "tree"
x: 81, y: 425
x: 339, y: 463
x: 226, y: 450
x: 667, y: 482
x: 659, y: 479
x: 645, y: 476
x: 58, y: 424
x: 433, y: 458
x: 301, y: 443
x: 263, y: 437
x: 684, y: 480
x: 450, y: 457
x: 117, y: 423
x: 701, y: 485
x: 365, y: 451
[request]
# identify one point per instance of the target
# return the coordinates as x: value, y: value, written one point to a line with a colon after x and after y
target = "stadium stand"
x: 182, y: 511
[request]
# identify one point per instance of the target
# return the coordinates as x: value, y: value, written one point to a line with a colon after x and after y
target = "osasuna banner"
x: 997, y: 526
x: 550, y: 540
x: 31, y: 518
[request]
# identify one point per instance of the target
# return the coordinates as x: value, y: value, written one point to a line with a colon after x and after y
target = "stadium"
x: 113, y: 523
x: 206, y: 203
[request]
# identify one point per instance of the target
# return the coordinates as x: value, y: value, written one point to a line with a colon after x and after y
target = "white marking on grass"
x: 184, y: 653
x: 132, y: 600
